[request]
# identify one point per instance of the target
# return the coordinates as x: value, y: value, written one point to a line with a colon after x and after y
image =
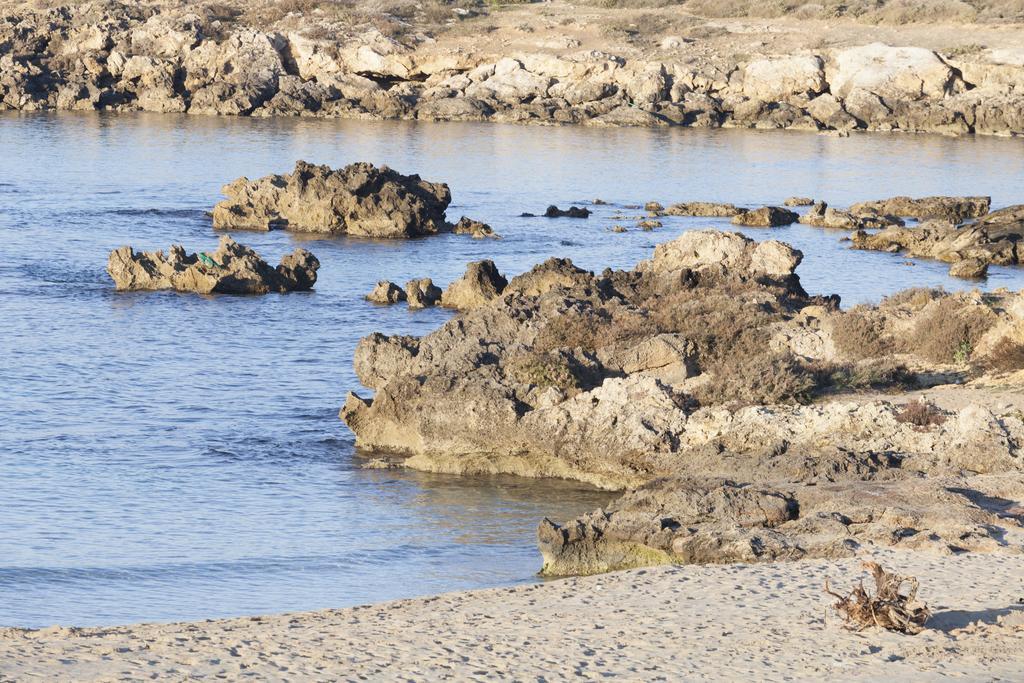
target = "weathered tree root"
x: 887, y: 608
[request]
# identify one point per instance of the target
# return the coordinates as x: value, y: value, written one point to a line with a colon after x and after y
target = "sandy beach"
x: 763, y: 622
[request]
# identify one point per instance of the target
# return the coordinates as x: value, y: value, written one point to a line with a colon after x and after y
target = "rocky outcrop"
x: 481, y: 284
x: 821, y: 215
x: 385, y: 293
x: 991, y: 242
x: 231, y: 269
x: 765, y: 217
x: 954, y: 209
x: 127, y: 56
x: 359, y: 200
x: 693, y: 377
x: 620, y: 377
x: 683, y: 520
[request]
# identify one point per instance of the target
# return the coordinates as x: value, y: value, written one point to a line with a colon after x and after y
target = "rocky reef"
x: 231, y: 269
x: 994, y: 238
x: 359, y: 200
x: 708, y: 377
x: 209, y: 59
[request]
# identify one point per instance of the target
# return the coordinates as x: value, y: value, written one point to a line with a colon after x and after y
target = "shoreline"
x: 555, y: 65
x: 720, y: 621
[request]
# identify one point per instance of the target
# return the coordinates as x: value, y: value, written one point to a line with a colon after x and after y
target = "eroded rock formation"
x: 710, y: 379
x: 360, y: 199
x: 231, y: 269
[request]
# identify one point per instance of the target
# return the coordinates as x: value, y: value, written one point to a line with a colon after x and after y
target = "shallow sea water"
x: 167, y: 457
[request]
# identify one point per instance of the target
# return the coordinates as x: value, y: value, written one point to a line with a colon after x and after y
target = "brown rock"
x: 232, y: 269
x: 359, y: 199
x: 386, y: 292
x: 481, y: 284
x: 765, y: 217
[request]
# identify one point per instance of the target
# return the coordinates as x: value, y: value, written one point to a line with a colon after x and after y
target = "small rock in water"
x: 232, y: 269
x: 386, y: 292
x: 799, y: 201
x: 653, y: 206
x: 475, y: 229
x: 572, y: 212
x: 422, y: 293
x: 765, y: 217
x: 969, y: 268
x: 648, y: 225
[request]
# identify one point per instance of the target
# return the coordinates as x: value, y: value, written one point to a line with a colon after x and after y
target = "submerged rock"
x: 386, y: 292
x: 765, y: 217
x: 955, y: 209
x: 231, y: 269
x: 572, y: 212
x: 703, y: 209
x: 481, y: 284
x: 359, y: 199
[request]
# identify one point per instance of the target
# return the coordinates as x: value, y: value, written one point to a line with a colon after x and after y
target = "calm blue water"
x: 166, y: 456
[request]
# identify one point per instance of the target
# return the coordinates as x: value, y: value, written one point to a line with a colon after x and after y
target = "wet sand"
x: 762, y: 622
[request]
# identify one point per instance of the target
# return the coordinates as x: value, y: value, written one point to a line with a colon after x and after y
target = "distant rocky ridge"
x: 231, y: 269
x: 135, y: 57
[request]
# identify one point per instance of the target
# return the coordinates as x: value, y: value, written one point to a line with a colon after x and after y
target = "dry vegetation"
x: 888, y: 608
x: 921, y: 414
x: 1006, y: 356
x: 951, y: 332
x: 893, y: 12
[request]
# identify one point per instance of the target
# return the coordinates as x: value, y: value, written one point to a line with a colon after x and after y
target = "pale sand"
x: 738, y: 622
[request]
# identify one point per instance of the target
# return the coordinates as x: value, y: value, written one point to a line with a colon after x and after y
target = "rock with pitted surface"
x: 988, y: 242
x: 821, y: 215
x: 475, y: 229
x: 703, y: 209
x: 798, y: 201
x: 687, y: 520
x: 231, y: 269
x: 422, y: 293
x: 955, y: 209
x: 969, y: 269
x: 481, y: 284
x: 386, y: 292
x: 360, y: 199
x: 766, y: 217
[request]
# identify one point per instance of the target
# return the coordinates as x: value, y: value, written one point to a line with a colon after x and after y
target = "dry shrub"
x: 914, y: 298
x: 753, y: 374
x: 592, y: 328
x: 874, y: 373
x: 855, y: 336
x: 950, y: 332
x: 1006, y: 356
x: 714, y: 320
x: 547, y: 370
x: 888, y: 608
x: 921, y: 413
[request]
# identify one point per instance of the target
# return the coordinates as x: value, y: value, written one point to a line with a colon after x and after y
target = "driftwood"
x: 888, y: 608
